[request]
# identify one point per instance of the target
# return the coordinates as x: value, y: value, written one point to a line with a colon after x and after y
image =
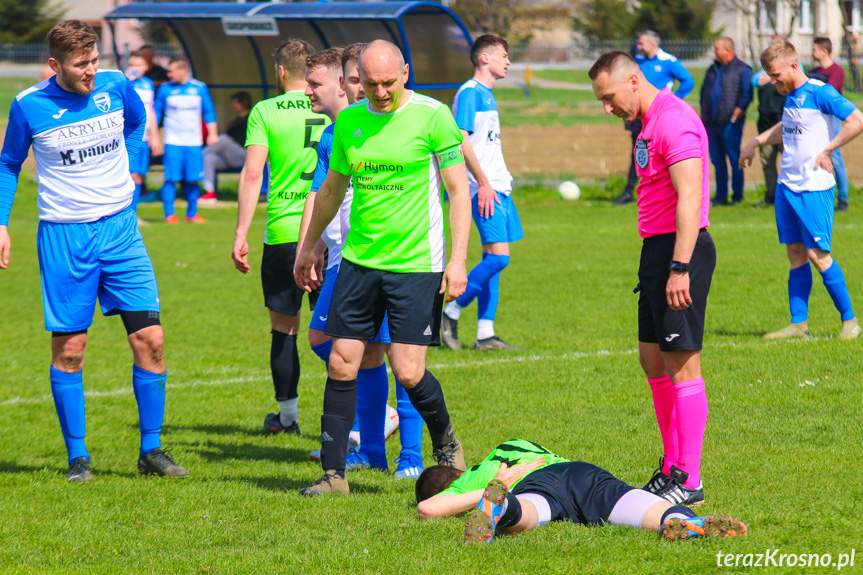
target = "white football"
x: 569, y: 190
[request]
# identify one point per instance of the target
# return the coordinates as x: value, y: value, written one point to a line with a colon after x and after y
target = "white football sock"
x: 288, y: 412
x: 485, y: 328
x: 453, y: 310
x: 630, y: 509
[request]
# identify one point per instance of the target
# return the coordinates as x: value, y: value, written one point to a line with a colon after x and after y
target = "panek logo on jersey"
x: 363, y: 166
x: 71, y: 157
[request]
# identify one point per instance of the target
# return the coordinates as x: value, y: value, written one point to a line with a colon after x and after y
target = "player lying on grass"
x: 521, y: 486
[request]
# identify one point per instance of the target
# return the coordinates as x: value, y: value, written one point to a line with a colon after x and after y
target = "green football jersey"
x: 512, y: 452
x: 394, y: 160
x: 288, y: 128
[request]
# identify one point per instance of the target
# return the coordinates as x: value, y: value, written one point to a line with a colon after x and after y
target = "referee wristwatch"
x: 679, y: 267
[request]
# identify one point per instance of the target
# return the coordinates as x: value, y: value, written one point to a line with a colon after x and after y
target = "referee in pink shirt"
x: 677, y: 262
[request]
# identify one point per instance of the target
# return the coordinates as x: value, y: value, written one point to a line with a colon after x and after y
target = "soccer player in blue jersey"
x: 333, y: 84
x: 494, y: 212
x: 180, y: 106
x: 85, y: 125
x: 804, y: 194
x: 135, y: 71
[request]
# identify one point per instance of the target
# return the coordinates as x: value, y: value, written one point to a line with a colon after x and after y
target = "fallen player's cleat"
x: 792, y: 331
x: 328, y: 483
x: 273, y: 424
x: 480, y: 524
x: 157, y: 462
x: 852, y: 331
x: 493, y: 342
x: 392, y: 422
x: 450, y: 455
x: 79, y: 471
x: 449, y: 332
x: 720, y: 526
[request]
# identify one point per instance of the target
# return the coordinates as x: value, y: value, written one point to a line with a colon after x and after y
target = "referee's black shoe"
x: 449, y: 332
x: 676, y: 494
x: 659, y: 480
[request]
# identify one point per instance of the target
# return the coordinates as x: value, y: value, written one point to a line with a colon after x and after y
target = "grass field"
x: 782, y: 450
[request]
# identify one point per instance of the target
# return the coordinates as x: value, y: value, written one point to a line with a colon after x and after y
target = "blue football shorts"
x: 804, y: 217
x: 503, y: 226
x: 183, y: 163
x: 104, y: 259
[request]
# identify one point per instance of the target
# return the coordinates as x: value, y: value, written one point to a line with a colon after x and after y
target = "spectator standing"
x: 725, y: 95
x: 157, y: 74
x: 831, y: 73
x: 770, y: 104
x: 661, y: 69
x: 229, y: 151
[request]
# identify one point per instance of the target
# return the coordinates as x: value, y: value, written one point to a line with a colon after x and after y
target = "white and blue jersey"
x: 180, y: 109
x: 336, y: 233
x: 146, y: 90
x: 333, y: 236
x: 663, y: 69
x: 82, y: 146
x: 475, y: 112
x: 809, y: 118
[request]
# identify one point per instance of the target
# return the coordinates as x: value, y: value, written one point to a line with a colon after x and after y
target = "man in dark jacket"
x: 725, y: 95
x: 770, y: 104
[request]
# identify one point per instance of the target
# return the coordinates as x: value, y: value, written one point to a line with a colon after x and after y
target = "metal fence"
x: 590, y: 50
x: 34, y: 54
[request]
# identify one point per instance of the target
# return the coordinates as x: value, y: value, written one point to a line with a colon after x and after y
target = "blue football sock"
x: 799, y: 288
x: 192, y: 192
x: 149, y: 390
x: 136, y: 196
x: 372, y: 390
x: 410, y: 426
x: 834, y: 281
x: 322, y: 350
x: 68, y: 392
x: 169, y: 196
x: 479, y: 276
x: 486, y: 301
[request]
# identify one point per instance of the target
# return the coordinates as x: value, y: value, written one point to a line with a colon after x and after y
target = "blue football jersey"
x: 180, y: 109
x: 808, y: 120
x: 82, y: 145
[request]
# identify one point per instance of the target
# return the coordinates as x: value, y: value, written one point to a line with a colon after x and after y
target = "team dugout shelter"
x: 230, y: 45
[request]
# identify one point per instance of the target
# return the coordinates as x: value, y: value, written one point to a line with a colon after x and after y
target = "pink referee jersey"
x: 672, y: 132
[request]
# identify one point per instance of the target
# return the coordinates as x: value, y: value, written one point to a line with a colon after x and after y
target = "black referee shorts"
x: 362, y: 295
x: 681, y: 330
x: 576, y: 491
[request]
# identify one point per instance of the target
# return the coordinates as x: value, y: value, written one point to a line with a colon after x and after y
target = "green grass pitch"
x: 782, y: 449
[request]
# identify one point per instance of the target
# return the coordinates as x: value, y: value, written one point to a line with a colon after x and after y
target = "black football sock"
x: 340, y: 408
x: 512, y: 513
x: 427, y: 397
x: 285, y: 365
x: 679, y: 511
